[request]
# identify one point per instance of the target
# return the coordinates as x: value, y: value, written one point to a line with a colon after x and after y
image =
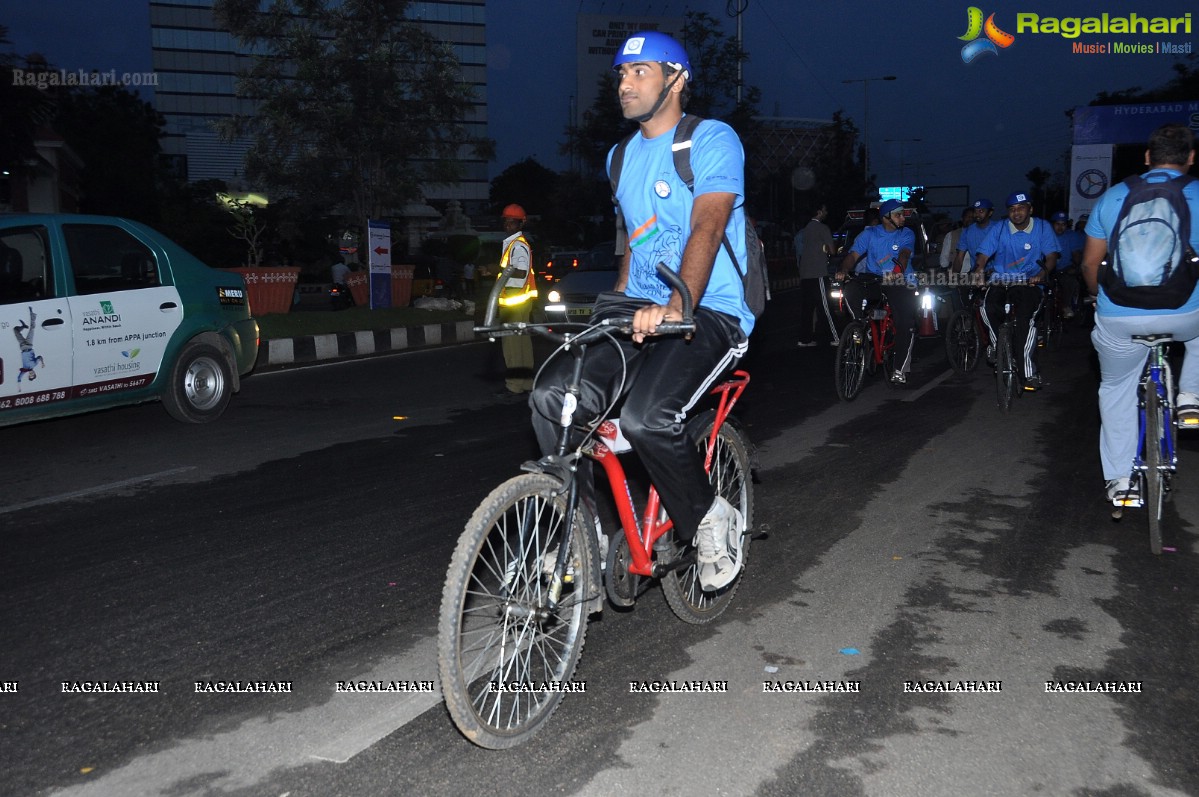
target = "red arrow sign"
x: 381, y: 251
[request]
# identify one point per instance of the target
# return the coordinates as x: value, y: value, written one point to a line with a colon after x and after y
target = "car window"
x: 106, y: 258
x: 25, y: 269
x: 600, y: 258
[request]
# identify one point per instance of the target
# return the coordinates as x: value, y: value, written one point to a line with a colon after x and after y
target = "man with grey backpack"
x: 1139, y: 260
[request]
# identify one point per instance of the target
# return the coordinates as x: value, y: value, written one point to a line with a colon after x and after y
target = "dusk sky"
x: 984, y: 123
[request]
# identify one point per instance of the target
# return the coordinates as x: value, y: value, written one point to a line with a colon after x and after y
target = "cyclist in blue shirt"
x: 1067, y: 274
x: 973, y: 235
x: 1171, y: 152
x: 884, y: 252
x: 668, y: 375
x: 1015, y: 259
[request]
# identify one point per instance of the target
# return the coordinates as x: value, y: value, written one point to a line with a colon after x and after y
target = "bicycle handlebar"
x: 623, y: 324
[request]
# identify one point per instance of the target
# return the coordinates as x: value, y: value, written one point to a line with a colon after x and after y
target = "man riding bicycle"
x: 1015, y: 259
x: 667, y: 376
x: 884, y: 251
x: 1170, y: 154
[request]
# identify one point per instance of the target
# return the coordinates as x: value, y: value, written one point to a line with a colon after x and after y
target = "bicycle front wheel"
x: 1006, y: 379
x: 961, y: 342
x: 1154, y: 476
x: 506, y: 651
x: 850, y: 369
x: 730, y: 475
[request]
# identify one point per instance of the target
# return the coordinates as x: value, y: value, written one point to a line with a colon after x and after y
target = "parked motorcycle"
x: 340, y: 297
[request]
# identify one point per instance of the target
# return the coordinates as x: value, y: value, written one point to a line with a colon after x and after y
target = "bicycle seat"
x: 1153, y: 340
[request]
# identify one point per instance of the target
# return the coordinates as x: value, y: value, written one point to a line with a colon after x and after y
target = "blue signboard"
x: 1130, y: 124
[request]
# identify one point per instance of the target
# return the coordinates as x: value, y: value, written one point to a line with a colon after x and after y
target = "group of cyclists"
x: 1007, y: 263
x: 1033, y: 269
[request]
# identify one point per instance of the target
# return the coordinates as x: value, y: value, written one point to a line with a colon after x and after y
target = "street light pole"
x: 866, y: 81
x: 901, y: 142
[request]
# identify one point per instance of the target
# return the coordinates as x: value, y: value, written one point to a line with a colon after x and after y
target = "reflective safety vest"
x: 520, y: 288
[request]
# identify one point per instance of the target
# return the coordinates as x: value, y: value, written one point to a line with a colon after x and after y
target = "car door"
x: 122, y: 313
x: 35, y: 325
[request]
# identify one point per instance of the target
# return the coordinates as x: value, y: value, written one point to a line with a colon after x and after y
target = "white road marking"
x: 257, y: 750
x: 101, y: 488
x: 917, y: 394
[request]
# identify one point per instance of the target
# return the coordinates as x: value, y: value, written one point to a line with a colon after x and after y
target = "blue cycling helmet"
x: 650, y: 45
x: 889, y: 207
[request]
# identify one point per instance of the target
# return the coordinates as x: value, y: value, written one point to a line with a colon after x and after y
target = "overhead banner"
x: 379, y: 247
x: 1130, y: 124
x: 1090, y: 176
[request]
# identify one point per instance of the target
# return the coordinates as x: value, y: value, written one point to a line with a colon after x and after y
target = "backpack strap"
x: 681, y: 149
x: 614, y: 168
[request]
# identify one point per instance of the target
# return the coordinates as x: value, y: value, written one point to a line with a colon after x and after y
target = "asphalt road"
x: 909, y: 536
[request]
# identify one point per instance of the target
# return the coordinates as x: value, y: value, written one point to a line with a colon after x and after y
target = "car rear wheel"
x: 200, y: 385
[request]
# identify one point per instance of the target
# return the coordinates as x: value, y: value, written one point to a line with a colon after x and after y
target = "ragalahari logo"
x: 995, y: 40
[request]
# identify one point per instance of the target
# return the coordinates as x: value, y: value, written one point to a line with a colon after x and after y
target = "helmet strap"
x: 645, y: 117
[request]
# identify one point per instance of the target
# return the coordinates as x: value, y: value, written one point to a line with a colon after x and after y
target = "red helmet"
x: 514, y: 212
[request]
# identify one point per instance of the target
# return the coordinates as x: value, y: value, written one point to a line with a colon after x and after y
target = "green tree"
x: 23, y: 108
x: 1183, y: 86
x: 528, y: 183
x: 357, y: 105
x: 116, y: 135
x: 838, y: 170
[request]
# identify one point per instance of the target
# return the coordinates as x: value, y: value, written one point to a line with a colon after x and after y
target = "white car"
x: 572, y: 297
x: 97, y: 311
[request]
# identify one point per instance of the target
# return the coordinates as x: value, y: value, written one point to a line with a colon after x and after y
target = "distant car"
x: 559, y: 265
x: 572, y: 298
x: 97, y: 311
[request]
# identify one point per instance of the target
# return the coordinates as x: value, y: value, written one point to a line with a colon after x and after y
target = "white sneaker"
x: 1123, y: 493
x: 1186, y: 409
x: 718, y: 540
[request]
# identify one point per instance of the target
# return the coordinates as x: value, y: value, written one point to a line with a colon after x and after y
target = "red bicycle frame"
x: 878, y: 327
x: 642, y: 534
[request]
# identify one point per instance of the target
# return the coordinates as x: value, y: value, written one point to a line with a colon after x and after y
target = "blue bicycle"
x: 1156, y: 460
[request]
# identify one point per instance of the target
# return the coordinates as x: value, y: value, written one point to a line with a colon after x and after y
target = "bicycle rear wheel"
x: 1154, y: 476
x: 499, y: 640
x: 1006, y: 379
x: 850, y: 368
x: 961, y: 342
x: 730, y: 475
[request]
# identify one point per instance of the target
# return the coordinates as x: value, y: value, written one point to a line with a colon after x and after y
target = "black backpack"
x: 755, y: 279
x: 1150, y: 263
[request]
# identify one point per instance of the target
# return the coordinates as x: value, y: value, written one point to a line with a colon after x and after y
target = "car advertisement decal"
x: 122, y: 336
x: 43, y: 397
x: 35, y: 350
x: 231, y: 296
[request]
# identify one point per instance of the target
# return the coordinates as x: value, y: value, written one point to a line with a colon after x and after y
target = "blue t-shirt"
x: 1103, y: 222
x: 971, y: 238
x: 881, y: 250
x: 657, y: 209
x: 1014, y: 253
x: 1068, y: 243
